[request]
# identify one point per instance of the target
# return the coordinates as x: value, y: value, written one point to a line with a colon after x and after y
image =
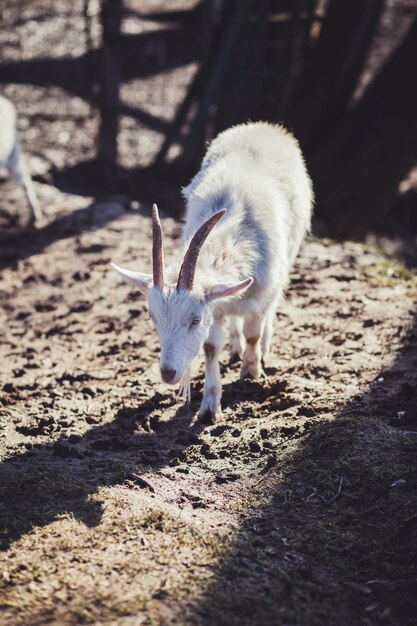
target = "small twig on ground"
x: 315, y: 493
x: 142, y: 482
x: 312, y: 494
x: 271, y: 462
x: 338, y: 492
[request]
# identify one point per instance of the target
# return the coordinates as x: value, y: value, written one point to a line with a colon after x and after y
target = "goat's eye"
x: 150, y: 316
x: 195, y: 321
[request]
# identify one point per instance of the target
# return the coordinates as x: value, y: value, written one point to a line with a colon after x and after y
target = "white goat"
x: 11, y: 155
x: 257, y: 172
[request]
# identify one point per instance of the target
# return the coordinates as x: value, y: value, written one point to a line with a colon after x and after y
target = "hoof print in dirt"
x: 208, y: 452
x: 64, y: 450
x: 228, y: 477
x: 254, y: 447
x: 219, y: 430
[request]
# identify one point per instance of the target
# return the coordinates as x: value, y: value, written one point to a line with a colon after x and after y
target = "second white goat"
x: 11, y: 155
x: 254, y: 184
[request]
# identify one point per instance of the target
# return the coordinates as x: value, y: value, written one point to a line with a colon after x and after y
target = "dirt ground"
x: 117, y: 505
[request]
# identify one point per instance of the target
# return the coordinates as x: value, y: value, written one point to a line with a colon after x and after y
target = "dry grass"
x: 390, y: 273
x: 125, y: 565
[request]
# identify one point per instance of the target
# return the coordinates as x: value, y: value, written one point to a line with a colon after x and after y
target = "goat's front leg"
x: 212, y: 392
x: 252, y: 329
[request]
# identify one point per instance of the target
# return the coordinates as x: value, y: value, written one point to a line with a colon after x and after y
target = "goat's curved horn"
x: 157, y: 250
x: 187, y: 271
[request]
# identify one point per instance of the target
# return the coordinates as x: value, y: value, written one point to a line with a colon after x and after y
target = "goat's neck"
x: 217, y: 263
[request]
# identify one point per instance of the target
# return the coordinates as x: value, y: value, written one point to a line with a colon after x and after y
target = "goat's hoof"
x: 210, y: 410
x: 247, y: 375
x: 208, y: 417
x: 250, y: 373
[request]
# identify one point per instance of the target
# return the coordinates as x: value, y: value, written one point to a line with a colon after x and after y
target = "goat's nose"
x: 168, y: 374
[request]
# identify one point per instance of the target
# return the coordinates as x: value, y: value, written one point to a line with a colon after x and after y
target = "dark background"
x: 121, y: 96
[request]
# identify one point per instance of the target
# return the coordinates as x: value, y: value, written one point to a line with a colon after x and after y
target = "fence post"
x: 111, y: 20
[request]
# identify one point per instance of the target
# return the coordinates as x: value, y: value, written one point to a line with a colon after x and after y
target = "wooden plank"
x: 174, y: 132
x: 358, y: 170
x: 111, y: 19
x: 329, y: 78
x: 192, y: 145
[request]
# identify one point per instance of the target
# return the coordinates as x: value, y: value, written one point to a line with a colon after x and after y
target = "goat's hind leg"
x: 32, y: 199
x: 235, y: 338
x: 252, y: 329
x: 267, y: 334
x: 212, y: 392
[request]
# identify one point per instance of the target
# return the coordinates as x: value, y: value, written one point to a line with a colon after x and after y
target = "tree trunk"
x: 330, y: 75
x: 358, y: 170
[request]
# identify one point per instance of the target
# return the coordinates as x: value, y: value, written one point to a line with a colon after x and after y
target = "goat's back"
x: 257, y: 172
x: 7, y: 130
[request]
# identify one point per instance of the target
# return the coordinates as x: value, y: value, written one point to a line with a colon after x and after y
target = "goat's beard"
x: 185, y: 385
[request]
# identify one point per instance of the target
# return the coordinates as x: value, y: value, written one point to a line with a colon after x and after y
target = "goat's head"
x: 181, y: 313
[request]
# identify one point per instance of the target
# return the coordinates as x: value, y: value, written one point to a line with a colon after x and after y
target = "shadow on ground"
x: 179, y: 48
x: 55, y: 478
x: 87, y: 177
x: 19, y: 244
x: 24, y: 243
x: 332, y: 538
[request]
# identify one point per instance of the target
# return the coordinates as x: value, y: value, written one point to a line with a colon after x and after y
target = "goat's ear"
x: 142, y: 281
x: 226, y: 290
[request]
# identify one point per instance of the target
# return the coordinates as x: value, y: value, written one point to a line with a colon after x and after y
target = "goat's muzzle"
x: 168, y: 374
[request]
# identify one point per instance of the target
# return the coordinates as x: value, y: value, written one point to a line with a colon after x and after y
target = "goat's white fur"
x: 257, y: 172
x: 11, y: 155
